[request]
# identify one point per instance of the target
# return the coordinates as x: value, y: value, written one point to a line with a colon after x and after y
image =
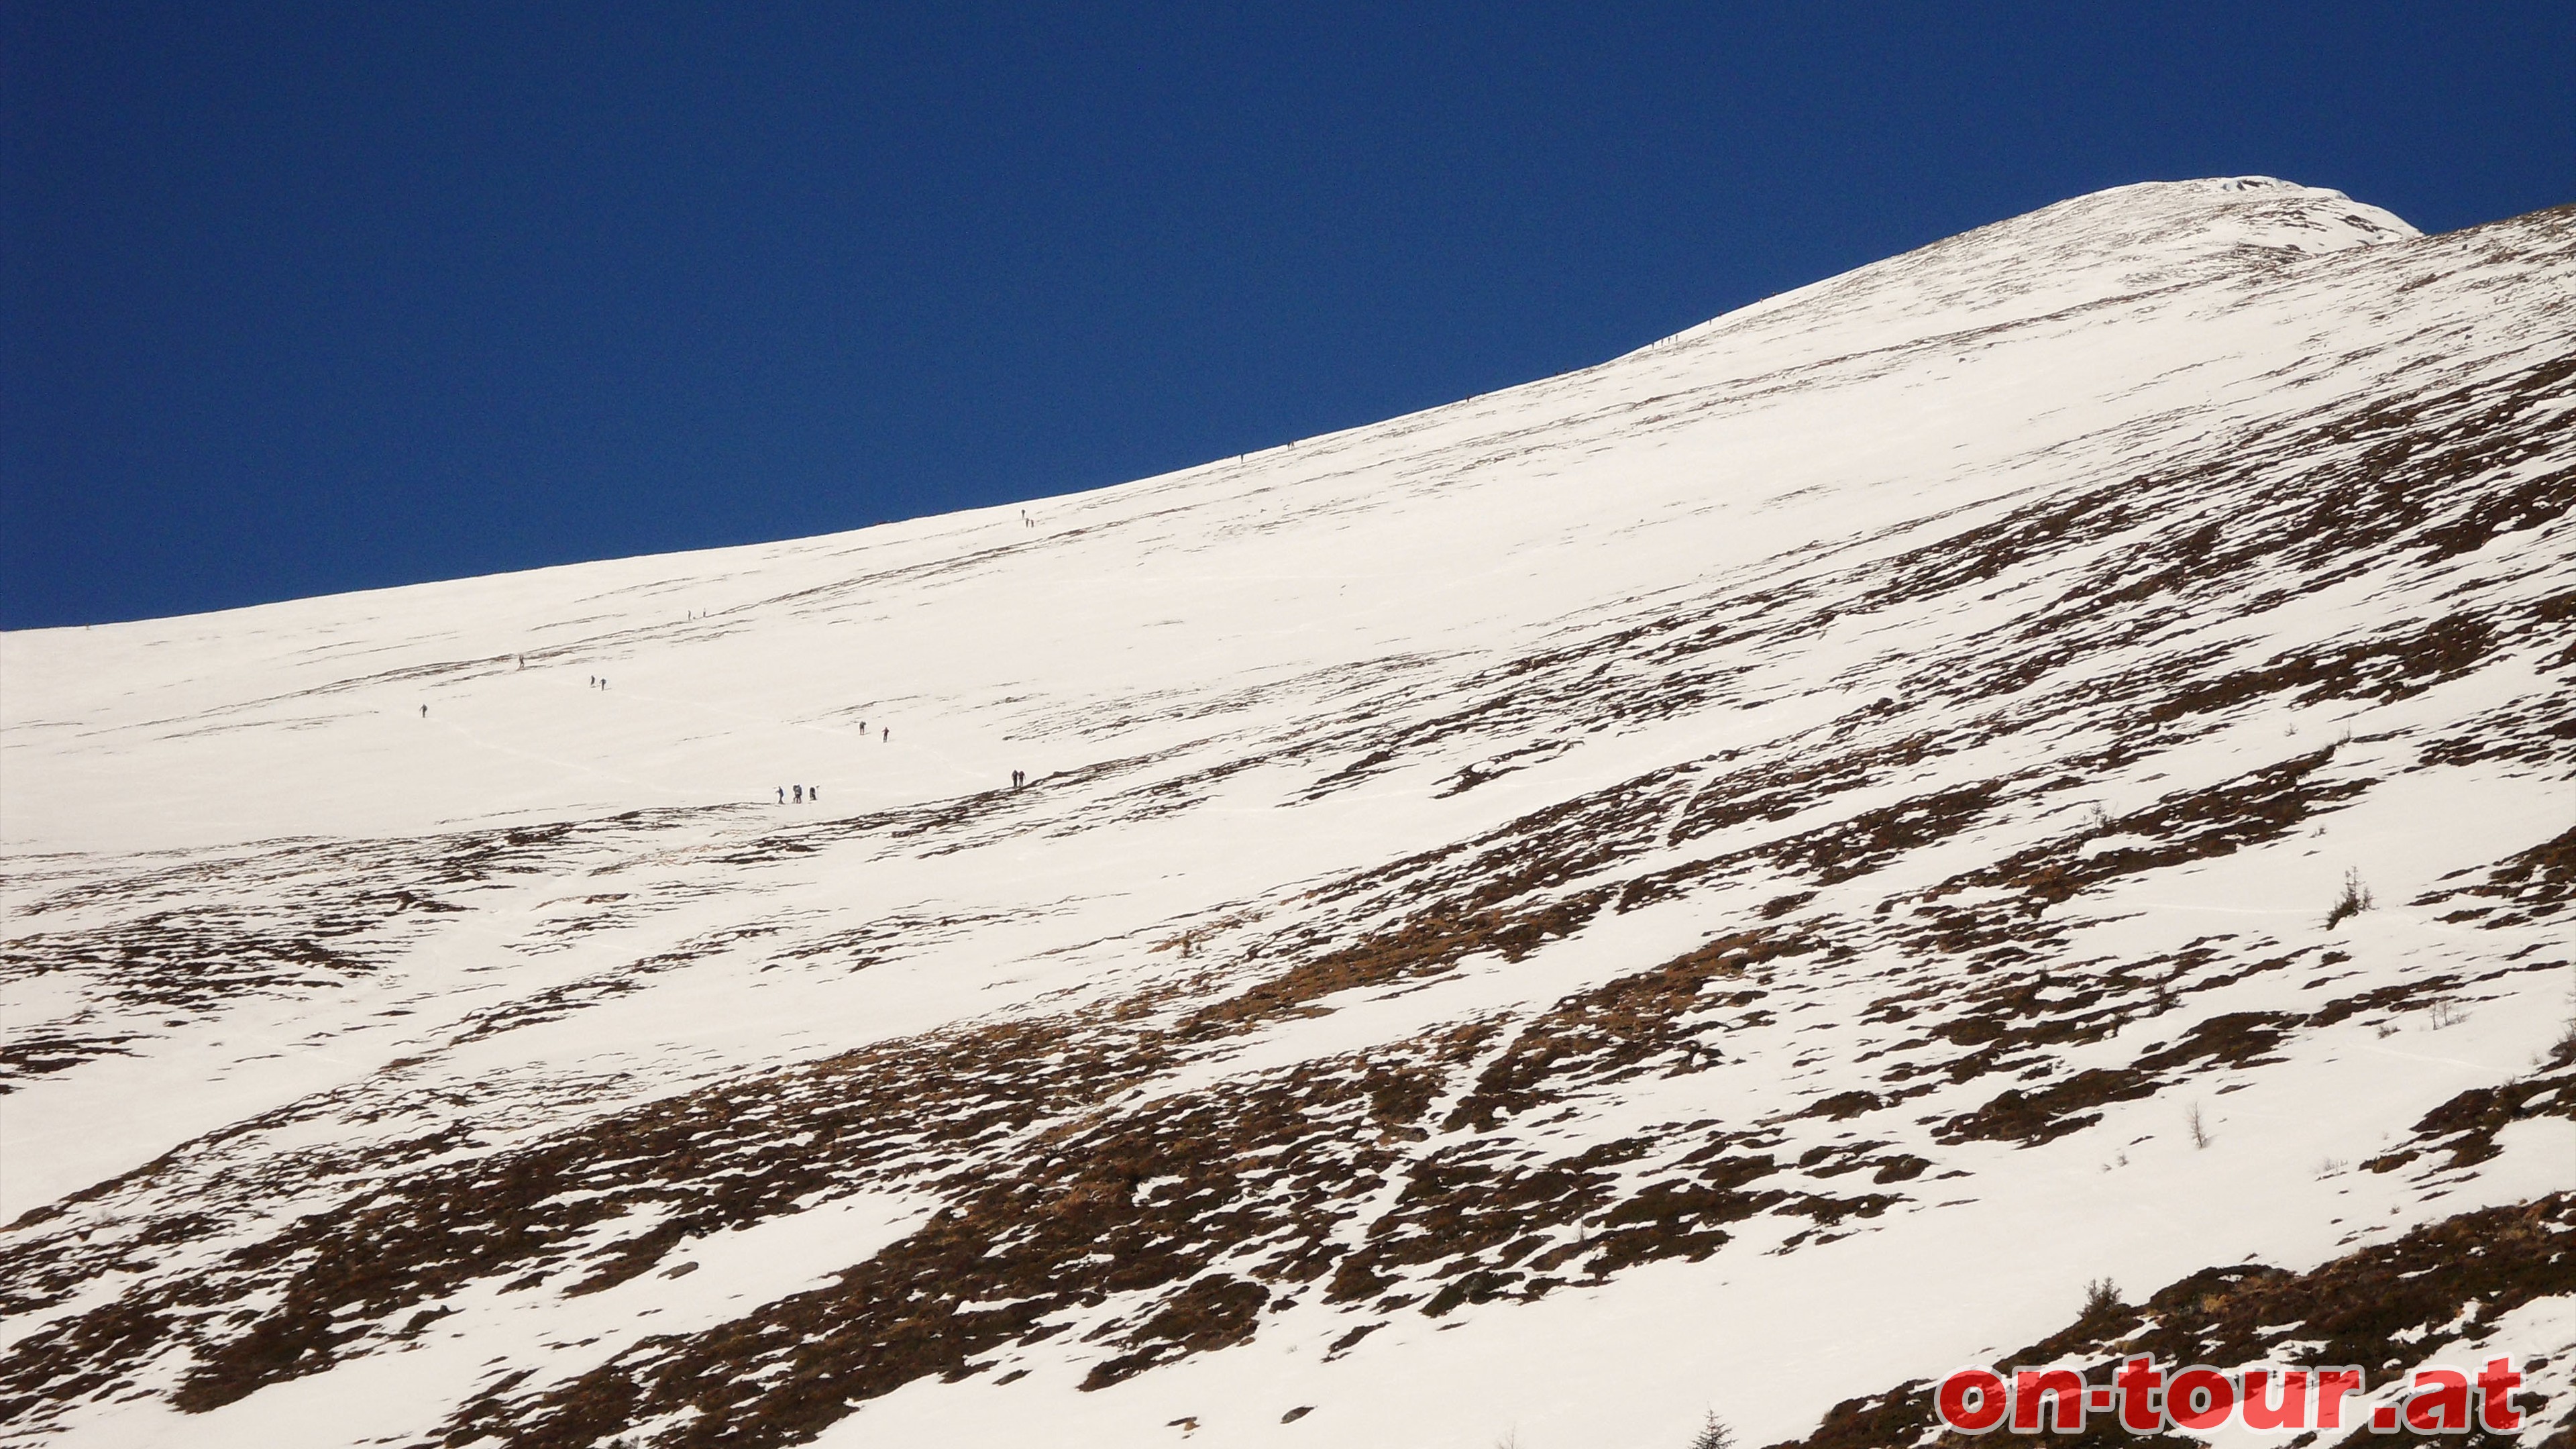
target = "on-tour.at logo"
x: 2436, y: 1399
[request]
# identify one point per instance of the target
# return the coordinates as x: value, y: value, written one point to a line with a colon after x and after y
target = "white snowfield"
x: 1736, y: 879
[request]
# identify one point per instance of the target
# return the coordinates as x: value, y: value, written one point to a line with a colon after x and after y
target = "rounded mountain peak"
x: 2180, y: 222
x: 2114, y: 243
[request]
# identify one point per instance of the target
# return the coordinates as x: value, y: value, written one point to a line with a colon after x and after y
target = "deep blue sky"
x: 296, y: 299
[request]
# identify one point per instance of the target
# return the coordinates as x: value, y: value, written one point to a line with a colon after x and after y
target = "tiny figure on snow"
x: 800, y: 794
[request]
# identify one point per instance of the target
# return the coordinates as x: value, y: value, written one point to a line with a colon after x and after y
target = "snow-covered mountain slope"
x: 1739, y: 878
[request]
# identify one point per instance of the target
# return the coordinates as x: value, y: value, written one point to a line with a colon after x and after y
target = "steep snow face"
x: 1739, y: 877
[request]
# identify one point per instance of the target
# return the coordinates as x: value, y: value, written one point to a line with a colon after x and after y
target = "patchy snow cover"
x: 1740, y: 878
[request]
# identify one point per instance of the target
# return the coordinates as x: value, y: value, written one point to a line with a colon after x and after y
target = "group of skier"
x: 789, y: 794
x: 811, y: 794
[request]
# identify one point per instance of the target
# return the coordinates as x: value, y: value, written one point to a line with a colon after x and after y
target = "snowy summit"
x: 2012, y: 805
